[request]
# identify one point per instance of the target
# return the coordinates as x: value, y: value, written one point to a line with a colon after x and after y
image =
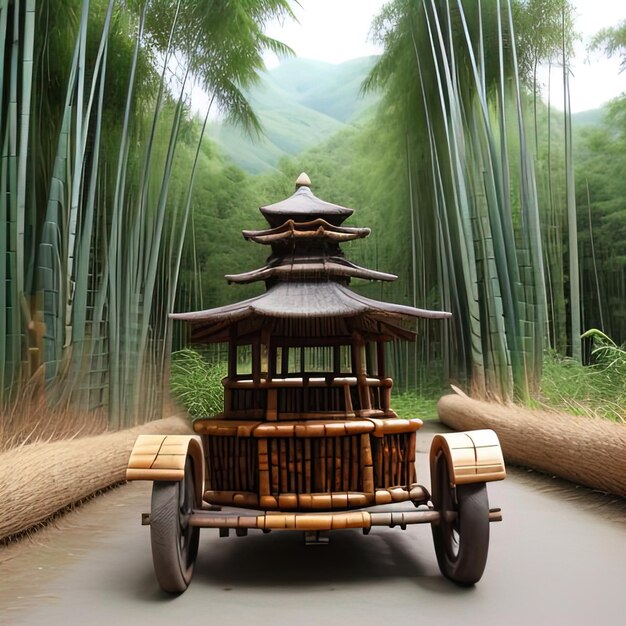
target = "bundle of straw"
x: 40, y: 479
x: 587, y: 451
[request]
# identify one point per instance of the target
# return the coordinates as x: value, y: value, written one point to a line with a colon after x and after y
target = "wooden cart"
x: 308, y: 440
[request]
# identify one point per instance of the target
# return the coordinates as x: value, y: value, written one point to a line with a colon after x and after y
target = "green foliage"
x: 601, y: 189
x: 97, y: 247
x: 418, y: 403
x: 593, y: 390
x: 607, y: 353
x: 445, y: 177
x: 612, y: 41
x: 197, y: 383
x: 224, y: 202
x: 221, y: 44
x: 410, y: 404
x: 540, y: 28
x: 456, y: 94
x: 288, y: 128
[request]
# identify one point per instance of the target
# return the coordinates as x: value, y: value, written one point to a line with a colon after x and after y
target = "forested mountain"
x: 591, y: 117
x: 300, y: 103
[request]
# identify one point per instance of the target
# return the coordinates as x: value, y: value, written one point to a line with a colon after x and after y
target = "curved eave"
x: 309, y: 271
x: 318, y: 228
x: 320, y: 233
x: 308, y: 300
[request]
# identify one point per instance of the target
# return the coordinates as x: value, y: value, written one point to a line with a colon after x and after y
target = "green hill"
x: 591, y: 117
x: 300, y: 104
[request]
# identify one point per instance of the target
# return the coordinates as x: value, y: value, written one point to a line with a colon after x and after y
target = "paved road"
x: 558, y: 558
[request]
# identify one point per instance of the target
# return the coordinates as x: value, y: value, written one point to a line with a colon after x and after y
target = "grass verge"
x: 597, y: 390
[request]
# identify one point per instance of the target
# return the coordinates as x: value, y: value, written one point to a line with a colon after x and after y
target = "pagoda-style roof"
x: 306, y: 278
x: 322, y: 268
x: 302, y: 300
x: 314, y: 229
x: 304, y: 206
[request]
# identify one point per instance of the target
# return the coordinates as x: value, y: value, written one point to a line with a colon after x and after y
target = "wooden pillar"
x: 271, y: 412
x: 380, y: 348
x: 256, y: 359
x: 358, y: 346
x: 232, y: 369
x: 369, y: 365
x: 232, y: 352
x: 271, y: 360
x: 266, y: 343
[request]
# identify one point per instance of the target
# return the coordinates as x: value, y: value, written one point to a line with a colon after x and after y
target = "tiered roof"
x: 307, y: 277
x: 303, y: 206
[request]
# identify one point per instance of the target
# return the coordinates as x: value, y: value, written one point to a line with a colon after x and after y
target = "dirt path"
x: 557, y: 558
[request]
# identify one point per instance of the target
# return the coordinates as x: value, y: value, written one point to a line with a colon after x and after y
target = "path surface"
x: 559, y: 557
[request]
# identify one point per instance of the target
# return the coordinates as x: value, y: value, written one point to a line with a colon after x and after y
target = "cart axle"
x: 320, y: 521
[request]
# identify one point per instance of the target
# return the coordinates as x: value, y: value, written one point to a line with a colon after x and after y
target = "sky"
x: 329, y: 30
x: 337, y: 30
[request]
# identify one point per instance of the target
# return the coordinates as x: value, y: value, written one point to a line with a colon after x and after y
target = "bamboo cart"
x: 308, y: 440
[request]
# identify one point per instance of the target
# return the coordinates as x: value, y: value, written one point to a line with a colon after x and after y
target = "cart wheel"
x: 174, y: 542
x: 461, y: 544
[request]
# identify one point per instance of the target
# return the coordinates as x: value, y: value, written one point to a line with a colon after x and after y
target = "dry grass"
x: 41, y: 424
x: 587, y: 451
x: 39, y: 479
x: 30, y: 419
x: 52, y: 458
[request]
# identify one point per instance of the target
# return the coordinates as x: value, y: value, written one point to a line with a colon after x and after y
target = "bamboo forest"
x: 120, y: 202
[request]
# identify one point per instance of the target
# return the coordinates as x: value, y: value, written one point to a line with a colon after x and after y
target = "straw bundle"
x: 40, y: 479
x: 587, y: 451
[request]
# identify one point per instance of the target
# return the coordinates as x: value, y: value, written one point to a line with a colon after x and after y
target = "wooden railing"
x: 307, y: 398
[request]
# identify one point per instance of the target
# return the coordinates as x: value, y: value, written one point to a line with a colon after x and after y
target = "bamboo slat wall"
x: 308, y: 465
x: 394, y: 460
x: 232, y: 463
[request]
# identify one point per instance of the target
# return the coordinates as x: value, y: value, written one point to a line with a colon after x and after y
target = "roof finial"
x: 303, y: 181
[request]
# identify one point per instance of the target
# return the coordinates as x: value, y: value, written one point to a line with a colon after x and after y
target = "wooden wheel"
x: 461, y: 536
x: 174, y: 542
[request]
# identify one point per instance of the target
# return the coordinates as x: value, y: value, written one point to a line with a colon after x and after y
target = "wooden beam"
x: 341, y: 340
